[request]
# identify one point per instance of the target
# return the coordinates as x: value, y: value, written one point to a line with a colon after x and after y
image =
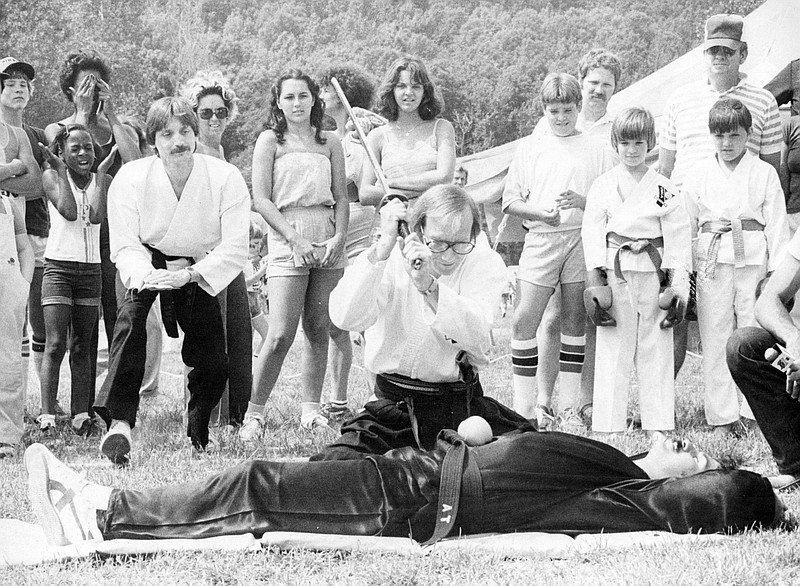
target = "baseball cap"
x: 8, y: 63
x: 724, y: 30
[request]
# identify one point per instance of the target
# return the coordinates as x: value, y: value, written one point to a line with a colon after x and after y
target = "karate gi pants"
x: 637, y: 341
x: 199, y: 317
x: 723, y: 304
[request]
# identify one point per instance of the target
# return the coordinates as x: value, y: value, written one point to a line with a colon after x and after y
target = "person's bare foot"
x: 785, y: 482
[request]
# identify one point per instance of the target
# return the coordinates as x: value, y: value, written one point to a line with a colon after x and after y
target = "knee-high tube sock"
x: 573, y: 351
x: 524, y: 360
x: 37, y: 353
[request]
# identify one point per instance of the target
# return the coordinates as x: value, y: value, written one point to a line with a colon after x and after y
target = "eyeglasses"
x: 724, y: 51
x: 207, y: 113
x: 439, y: 246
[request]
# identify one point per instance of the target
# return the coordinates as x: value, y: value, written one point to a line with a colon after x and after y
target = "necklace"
x: 410, y: 130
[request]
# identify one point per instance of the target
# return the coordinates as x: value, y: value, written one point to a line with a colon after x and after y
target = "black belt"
x: 636, y: 246
x: 168, y: 313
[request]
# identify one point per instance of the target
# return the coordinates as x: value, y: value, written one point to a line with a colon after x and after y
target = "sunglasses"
x: 207, y: 113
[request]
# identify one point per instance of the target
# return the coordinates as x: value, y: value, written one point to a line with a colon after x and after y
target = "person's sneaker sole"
x: 116, y: 447
x: 39, y: 496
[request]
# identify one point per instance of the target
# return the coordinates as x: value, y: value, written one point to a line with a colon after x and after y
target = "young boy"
x: 635, y: 230
x: 546, y: 187
x: 736, y: 202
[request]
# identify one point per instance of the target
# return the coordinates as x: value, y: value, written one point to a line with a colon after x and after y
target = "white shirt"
x: 544, y: 166
x: 655, y: 209
x: 751, y: 191
x: 213, y: 214
x: 77, y: 240
x: 402, y: 333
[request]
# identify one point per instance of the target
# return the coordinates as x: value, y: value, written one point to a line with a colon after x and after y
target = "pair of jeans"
x: 764, y: 387
x: 203, y: 350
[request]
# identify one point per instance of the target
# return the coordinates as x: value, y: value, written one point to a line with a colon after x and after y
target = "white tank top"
x: 78, y: 240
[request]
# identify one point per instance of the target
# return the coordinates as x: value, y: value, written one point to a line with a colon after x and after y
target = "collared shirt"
x: 685, y: 129
x: 751, y: 191
x: 403, y: 335
x: 655, y: 209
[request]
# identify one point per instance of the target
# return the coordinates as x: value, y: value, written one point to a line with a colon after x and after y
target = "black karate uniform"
x: 533, y: 481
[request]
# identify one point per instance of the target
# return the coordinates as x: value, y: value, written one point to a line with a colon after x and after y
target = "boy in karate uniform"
x: 635, y: 229
x: 736, y: 202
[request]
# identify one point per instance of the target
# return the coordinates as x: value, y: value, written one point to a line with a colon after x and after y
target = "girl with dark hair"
x: 416, y: 150
x: 299, y: 188
x: 71, y: 283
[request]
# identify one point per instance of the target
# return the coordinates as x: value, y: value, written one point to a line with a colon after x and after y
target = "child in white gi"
x: 635, y: 230
x: 736, y: 203
x: 546, y: 187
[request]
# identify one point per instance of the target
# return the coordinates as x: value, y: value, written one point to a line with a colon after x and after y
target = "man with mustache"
x: 166, y: 212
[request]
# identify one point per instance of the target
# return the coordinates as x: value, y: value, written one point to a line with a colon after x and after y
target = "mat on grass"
x: 24, y: 543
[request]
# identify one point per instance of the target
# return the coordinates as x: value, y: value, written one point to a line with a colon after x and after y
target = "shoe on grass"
x: 116, y: 443
x: 545, y: 419
x: 7, y: 450
x: 54, y: 491
x: 569, y: 421
x: 334, y: 411
x: 252, y: 427
x: 47, y: 424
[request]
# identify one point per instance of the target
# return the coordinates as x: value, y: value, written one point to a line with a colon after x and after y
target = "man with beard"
x: 166, y: 212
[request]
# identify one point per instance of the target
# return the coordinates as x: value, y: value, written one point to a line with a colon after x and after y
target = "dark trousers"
x: 357, y: 497
x: 764, y: 386
x: 389, y: 422
x: 239, y: 337
x: 203, y: 350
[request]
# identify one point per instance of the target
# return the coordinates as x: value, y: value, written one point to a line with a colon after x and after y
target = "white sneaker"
x: 252, y: 428
x: 116, y: 443
x: 54, y: 491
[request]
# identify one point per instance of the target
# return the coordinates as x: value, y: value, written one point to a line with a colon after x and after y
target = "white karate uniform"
x: 655, y: 209
x: 403, y: 335
x: 725, y: 302
x: 210, y: 223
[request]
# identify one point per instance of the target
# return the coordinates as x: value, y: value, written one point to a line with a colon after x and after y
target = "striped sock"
x: 570, y: 365
x: 524, y: 360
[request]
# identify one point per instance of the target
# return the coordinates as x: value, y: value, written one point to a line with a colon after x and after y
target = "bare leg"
x: 56, y: 320
x: 549, y: 339
x: 340, y: 357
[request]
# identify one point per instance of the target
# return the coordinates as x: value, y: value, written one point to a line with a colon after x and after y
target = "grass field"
x: 162, y: 455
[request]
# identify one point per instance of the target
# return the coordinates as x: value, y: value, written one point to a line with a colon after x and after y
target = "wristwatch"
x: 193, y: 274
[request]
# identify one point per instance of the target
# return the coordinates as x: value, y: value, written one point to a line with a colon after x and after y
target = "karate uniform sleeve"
x: 593, y: 230
x: 127, y: 252
x: 675, y: 227
x: 776, y: 228
x: 466, y: 317
x: 228, y: 258
x: 361, y: 294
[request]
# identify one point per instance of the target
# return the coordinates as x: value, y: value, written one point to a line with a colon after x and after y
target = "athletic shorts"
x: 67, y: 282
x: 550, y: 258
x: 314, y: 223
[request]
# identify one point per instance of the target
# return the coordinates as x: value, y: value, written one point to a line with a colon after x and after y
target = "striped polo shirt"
x: 685, y: 125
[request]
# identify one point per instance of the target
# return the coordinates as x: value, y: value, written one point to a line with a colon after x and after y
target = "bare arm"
x: 445, y: 163
x: 57, y: 189
x: 98, y: 203
x: 770, y: 310
x: 783, y: 172
x: 666, y: 162
x: 27, y: 179
x: 24, y: 248
x: 369, y: 193
x: 527, y: 211
x: 773, y: 159
x: 334, y: 247
x: 124, y: 136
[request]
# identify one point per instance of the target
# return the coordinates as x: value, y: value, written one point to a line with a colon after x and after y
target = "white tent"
x: 772, y: 32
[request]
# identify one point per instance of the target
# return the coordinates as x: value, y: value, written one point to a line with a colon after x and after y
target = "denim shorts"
x: 67, y: 282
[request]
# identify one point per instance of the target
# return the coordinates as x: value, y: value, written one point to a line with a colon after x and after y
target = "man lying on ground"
x: 573, y: 485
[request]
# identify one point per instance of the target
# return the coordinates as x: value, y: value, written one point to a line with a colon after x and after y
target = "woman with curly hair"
x: 416, y: 149
x: 214, y: 103
x: 299, y: 188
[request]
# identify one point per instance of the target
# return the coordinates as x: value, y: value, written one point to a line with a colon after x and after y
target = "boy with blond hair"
x: 636, y: 236
x: 546, y: 186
